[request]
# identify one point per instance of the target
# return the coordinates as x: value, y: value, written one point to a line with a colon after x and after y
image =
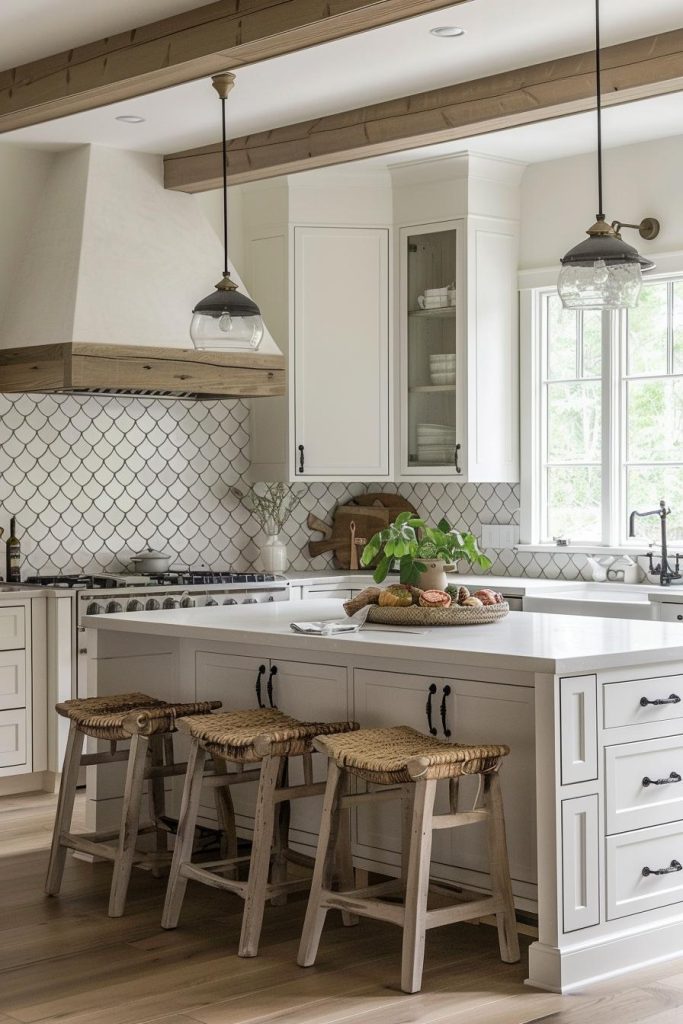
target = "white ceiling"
x: 387, y: 62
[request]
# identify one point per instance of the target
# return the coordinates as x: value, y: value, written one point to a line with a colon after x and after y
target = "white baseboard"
x: 556, y: 971
x: 31, y: 782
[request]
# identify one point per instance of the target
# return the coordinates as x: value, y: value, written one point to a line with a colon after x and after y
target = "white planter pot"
x: 434, y: 577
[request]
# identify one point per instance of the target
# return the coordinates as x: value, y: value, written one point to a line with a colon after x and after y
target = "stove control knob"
x: 187, y: 602
x: 152, y: 605
x: 94, y: 608
x: 170, y: 602
x: 250, y: 600
x: 230, y: 600
x: 135, y: 606
x: 113, y: 607
x: 270, y: 598
x: 210, y: 603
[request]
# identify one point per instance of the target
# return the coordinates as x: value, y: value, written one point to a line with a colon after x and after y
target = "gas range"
x: 171, y: 578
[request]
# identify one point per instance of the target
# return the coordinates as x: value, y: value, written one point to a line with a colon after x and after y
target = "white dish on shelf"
x: 447, y: 377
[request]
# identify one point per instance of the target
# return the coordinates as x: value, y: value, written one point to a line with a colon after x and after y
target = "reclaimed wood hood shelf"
x: 85, y: 368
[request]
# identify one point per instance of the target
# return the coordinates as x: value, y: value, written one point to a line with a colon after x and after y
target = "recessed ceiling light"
x: 447, y: 31
x: 130, y: 119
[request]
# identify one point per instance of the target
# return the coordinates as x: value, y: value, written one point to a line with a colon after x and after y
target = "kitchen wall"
x: 93, y: 480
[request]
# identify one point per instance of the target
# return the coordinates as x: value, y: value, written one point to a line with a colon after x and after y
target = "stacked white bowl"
x: 435, y: 442
x: 442, y: 368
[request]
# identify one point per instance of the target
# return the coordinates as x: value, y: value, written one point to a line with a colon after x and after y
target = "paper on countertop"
x: 332, y: 627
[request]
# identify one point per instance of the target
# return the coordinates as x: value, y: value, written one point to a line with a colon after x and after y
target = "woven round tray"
x: 456, y: 616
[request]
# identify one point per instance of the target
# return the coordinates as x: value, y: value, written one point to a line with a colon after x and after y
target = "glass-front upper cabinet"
x: 431, y: 421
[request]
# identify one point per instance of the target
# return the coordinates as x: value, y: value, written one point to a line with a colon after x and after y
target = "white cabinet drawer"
x: 12, y: 679
x: 622, y: 701
x: 12, y: 738
x: 629, y: 891
x: 670, y: 611
x: 630, y: 801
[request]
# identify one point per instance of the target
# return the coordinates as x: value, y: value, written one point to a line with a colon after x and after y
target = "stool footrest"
x: 459, y: 818
x: 363, y: 907
x: 463, y: 911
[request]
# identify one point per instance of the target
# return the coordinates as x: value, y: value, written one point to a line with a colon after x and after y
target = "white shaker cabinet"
x: 341, y: 353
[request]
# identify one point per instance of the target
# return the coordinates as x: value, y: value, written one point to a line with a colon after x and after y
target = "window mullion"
x: 611, y: 463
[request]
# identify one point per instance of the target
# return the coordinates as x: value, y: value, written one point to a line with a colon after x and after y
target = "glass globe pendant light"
x: 603, y: 271
x: 226, y: 319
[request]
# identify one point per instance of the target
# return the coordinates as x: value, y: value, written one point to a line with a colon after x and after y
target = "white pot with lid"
x: 151, y: 561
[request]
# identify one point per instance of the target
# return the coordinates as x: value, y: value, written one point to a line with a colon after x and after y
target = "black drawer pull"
x: 430, y: 694
x: 673, y: 698
x: 673, y: 777
x: 269, y: 686
x: 673, y: 866
x: 301, y: 458
x: 261, y: 671
x: 442, y: 709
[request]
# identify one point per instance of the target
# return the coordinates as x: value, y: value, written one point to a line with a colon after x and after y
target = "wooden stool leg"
x: 281, y: 838
x: 225, y: 813
x: 261, y: 850
x: 182, y: 853
x: 324, y: 861
x: 500, y: 871
x: 406, y: 833
x: 418, y: 886
x: 344, y: 854
x: 158, y: 800
x: 65, y: 809
x: 130, y: 821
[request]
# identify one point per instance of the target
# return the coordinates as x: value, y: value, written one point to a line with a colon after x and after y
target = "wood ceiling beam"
x: 635, y: 70
x: 217, y: 37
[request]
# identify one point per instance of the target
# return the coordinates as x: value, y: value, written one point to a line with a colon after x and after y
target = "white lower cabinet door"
x: 382, y: 699
x: 581, y: 863
x: 12, y: 628
x: 12, y: 680
x: 644, y: 870
x: 321, y: 693
x: 643, y: 783
x: 13, y: 738
x: 341, y: 352
x: 237, y: 682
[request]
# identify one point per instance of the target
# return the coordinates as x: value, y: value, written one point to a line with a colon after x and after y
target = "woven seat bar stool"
x: 148, y: 724
x: 266, y: 739
x: 411, y: 764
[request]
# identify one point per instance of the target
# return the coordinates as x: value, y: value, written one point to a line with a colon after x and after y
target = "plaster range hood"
x: 103, y: 291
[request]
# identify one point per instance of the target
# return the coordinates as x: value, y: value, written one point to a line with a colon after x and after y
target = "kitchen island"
x: 591, y: 708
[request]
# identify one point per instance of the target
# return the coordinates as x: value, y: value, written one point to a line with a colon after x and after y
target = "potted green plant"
x: 423, y: 552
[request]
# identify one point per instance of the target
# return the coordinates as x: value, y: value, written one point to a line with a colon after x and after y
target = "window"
x: 607, y: 405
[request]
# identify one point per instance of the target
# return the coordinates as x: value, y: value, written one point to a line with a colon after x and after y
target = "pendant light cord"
x: 225, y: 191
x: 598, y: 90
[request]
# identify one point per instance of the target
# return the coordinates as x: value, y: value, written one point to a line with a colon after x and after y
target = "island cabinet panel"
x: 579, y: 729
x: 643, y: 701
x: 305, y: 691
x: 471, y: 711
x: 581, y: 855
x: 310, y: 692
x: 234, y: 681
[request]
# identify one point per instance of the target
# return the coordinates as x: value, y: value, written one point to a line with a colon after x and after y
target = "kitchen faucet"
x: 663, y: 570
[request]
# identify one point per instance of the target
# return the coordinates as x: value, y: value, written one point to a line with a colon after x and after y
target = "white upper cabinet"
x: 394, y: 294
x: 341, y: 352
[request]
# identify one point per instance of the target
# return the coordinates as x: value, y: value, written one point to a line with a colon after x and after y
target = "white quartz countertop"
x: 527, y: 641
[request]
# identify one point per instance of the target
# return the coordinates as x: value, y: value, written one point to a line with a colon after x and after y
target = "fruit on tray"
x: 487, y: 596
x: 435, y: 599
x: 368, y: 596
x: 472, y: 602
x: 396, y: 596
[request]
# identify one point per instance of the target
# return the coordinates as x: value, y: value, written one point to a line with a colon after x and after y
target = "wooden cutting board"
x: 368, y: 517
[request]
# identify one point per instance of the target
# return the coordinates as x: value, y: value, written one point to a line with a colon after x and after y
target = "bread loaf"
x: 368, y: 596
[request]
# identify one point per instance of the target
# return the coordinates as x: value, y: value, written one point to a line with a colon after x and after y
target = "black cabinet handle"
x: 269, y: 686
x: 673, y: 777
x: 301, y: 458
x: 456, y: 459
x: 430, y: 694
x: 673, y: 698
x: 673, y: 866
x: 261, y: 671
x: 442, y: 710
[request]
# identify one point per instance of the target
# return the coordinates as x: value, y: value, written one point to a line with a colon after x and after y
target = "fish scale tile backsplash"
x: 93, y: 480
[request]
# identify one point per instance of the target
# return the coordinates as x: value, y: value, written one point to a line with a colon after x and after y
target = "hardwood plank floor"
x: 63, y: 960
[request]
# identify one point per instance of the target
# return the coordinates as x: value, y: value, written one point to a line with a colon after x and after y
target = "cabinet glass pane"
x: 431, y: 357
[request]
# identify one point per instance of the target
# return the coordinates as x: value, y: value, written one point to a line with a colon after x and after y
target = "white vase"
x: 274, y: 554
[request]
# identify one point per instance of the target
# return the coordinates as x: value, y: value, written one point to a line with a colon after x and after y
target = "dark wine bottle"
x: 13, y: 554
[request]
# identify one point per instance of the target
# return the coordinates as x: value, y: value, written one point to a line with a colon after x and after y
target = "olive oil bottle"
x: 13, y: 554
